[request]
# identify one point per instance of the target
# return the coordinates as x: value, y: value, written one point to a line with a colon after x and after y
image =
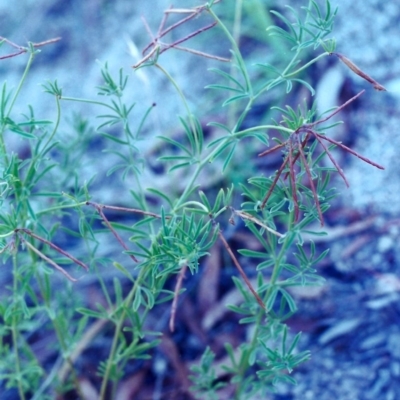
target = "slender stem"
x: 285, y: 75
x: 14, y: 99
x: 236, y: 51
x: 183, y: 98
x: 49, y: 260
x: 271, y: 189
x: 339, y: 170
x: 118, y: 329
x: 277, y: 266
x: 21, y: 82
x: 308, y: 172
x: 292, y: 175
x: 88, y: 101
x: 240, y: 269
x: 14, y: 329
x: 60, y: 207
x: 367, y: 160
x: 232, y: 111
x: 305, y: 66
x: 31, y: 170
x: 280, y: 77
x: 244, y: 365
x: 174, y: 305
x: 199, y: 168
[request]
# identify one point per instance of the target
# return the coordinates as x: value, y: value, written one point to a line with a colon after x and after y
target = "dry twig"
x: 22, y: 49
x: 158, y: 47
x: 295, y: 149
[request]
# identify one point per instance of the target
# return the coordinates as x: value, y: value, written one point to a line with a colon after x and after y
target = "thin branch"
x: 303, y: 145
x: 253, y: 219
x: 201, y: 54
x: 339, y: 170
x: 188, y: 10
x: 174, y: 305
x: 180, y: 22
x: 303, y: 158
x: 147, y: 57
x: 124, y: 209
x: 278, y: 146
x: 85, y: 341
x: 161, y: 48
x: 46, y: 42
x: 99, y: 209
x: 187, y: 37
x: 340, y: 108
x: 293, y: 181
x: 278, y: 174
x: 167, y: 30
x: 51, y: 262
x: 11, y: 43
x: 12, y: 54
x: 367, y: 160
x: 25, y: 49
x: 65, y: 253
x: 239, y: 268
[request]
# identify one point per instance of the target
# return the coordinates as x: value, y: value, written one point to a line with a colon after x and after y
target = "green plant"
x: 170, y: 237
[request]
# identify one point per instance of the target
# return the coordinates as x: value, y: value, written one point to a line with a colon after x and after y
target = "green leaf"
x: 175, y: 167
x: 253, y: 253
x: 114, y: 139
x: 235, y: 98
x: 176, y: 144
x: 137, y: 300
x: 162, y: 195
x: 228, y: 77
x: 91, y: 313
x: 229, y: 156
x: 289, y: 300
x: 122, y: 269
x: 218, y: 125
x: 224, y: 88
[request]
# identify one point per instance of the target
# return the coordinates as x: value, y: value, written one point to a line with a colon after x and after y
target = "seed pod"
x: 359, y: 72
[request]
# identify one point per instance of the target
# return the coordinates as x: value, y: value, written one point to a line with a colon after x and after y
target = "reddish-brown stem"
x: 99, y: 209
x: 63, y: 252
x: 161, y: 47
x: 339, y: 170
x: 123, y: 209
x: 303, y: 144
x: 153, y: 39
x: 184, y: 39
x: 24, y: 49
x: 12, y: 55
x: 11, y: 43
x: 163, y: 22
x: 303, y: 158
x: 174, y: 305
x: 167, y: 30
x: 249, y: 217
x: 202, y: 54
x: 44, y: 257
x: 293, y: 182
x: 278, y: 174
x: 340, y: 108
x: 367, y: 160
x: 278, y: 146
x: 179, y: 23
x: 240, y: 269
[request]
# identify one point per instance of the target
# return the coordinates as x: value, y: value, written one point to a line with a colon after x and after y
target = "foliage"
x: 171, y: 236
